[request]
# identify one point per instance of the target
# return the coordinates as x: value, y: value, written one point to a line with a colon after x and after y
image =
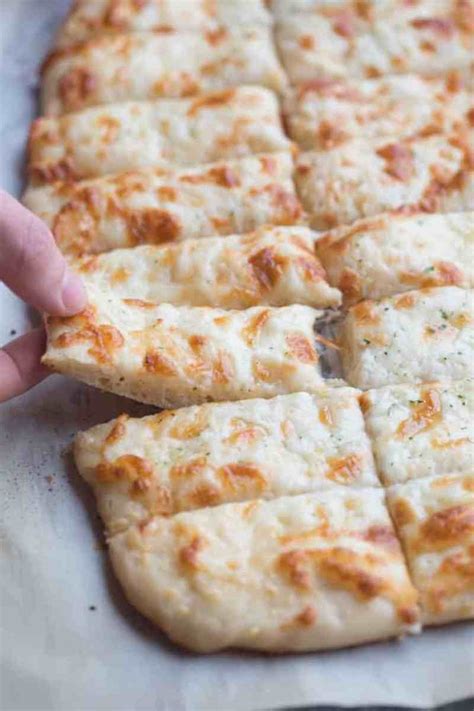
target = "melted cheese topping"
x: 435, y: 520
x: 211, y: 454
x: 369, y: 40
x: 362, y: 178
x: 421, y: 430
x: 162, y: 205
x: 299, y: 573
x: 91, y: 17
x: 118, y: 137
x: 148, y: 65
x: 418, y: 336
x: 390, y: 254
x: 324, y: 113
x: 274, y: 266
x: 172, y: 356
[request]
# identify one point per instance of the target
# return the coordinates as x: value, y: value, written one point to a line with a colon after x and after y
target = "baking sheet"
x: 69, y: 640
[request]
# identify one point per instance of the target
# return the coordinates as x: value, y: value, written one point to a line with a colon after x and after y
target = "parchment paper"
x: 59, y: 653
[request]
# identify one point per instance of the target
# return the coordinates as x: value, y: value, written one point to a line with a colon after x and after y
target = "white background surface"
x: 56, y: 652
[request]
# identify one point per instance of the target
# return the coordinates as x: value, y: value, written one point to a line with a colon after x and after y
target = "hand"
x: 32, y: 266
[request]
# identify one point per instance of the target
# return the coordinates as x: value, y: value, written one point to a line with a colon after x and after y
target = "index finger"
x: 31, y: 264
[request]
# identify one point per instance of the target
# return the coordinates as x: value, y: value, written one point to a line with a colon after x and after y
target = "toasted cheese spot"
x: 109, y: 128
x: 189, y: 554
x: 344, y: 470
x: 153, y: 226
x: 383, y: 536
x: 287, y: 428
x: 62, y: 170
x: 215, y: 37
x: 330, y: 135
x: 299, y: 347
x: 238, y: 476
x: 117, y: 431
x: 439, y: 25
x: 119, y: 275
x: 128, y: 467
x: 365, y: 402
x: 266, y: 267
x: 139, y: 303
x: 88, y: 265
x: 218, y: 98
x: 441, y: 482
x: 187, y: 470
x: 205, y: 495
x: 322, y: 530
x: 75, y: 87
x: 251, y: 331
x: 406, y: 301
x: 350, y: 284
x: 160, y: 501
x: 157, y: 363
x: 306, y: 618
x: 455, y: 576
x: 190, y: 427
x: 446, y: 528
x: 325, y: 416
x: 460, y: 320
x: 167, y: 193
x: 196, y: 343
x: 268, y: 164
x: 260, y: 371
x: 105, y: 340
x: 310, y: 268
x: 449, y: 443
x: 425, y: 414
x: 306, y: 42
x: 464, y: 15
x: 329, y: 87
x: 365, y: 313
x: 344, y: 24
x: 403, y: 512
x: 187, y: 85
x: 293, y: 564
x: 224, y: 176
x: 350, y: 571
x: 468, y: 483
x: 448, y: 273
x: 249, y: 508
x: 399, y: 161
x: 244, y: 432
x: 288, y: 209
x: 223, y: 368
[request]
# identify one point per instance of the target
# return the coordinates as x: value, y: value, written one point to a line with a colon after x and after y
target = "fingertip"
x: 73, y: 294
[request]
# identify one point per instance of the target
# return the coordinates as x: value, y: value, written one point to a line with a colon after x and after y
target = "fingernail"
x: 73, y: 294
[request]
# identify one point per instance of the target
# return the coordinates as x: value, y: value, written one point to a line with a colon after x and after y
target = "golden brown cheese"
x: 368, y: 40
x: 149, y: 65
x: 292, y: 574
x: 421, y: 430
x: 158, y: 205
x: 361, y: 178
x: 120, y: 137
x: 418, y: 336
x: 324, y: 113
x: 88, y: 18
x: 172, y: 356
x: 273, y: 266
x: 435, y: 521
x: 221, y: 452
x: 393, y: 253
